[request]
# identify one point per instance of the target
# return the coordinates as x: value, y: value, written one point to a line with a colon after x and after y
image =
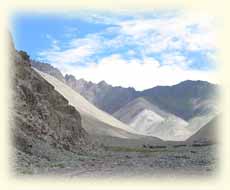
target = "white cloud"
x: 168, y: 37
x: 77, y: 51
x: 148, y: 61
x: 140, y: 74
x: 159, y: 34
x: 55, y: 45
x: 68, y: 56
x: 175, y: 58
x: 48, y: 36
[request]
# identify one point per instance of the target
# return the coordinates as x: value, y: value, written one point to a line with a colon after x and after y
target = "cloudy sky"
x: 130, y: 49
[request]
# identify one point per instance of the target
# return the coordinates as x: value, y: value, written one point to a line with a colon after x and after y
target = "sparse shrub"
x: 24, y: 55
x: 201, y: 144
x: 150, y: 146
x: 179, y: 145
x: 26, y: 171
x: 57, y: 165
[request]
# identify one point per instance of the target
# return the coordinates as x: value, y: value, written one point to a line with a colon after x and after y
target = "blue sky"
x: 138, y: 49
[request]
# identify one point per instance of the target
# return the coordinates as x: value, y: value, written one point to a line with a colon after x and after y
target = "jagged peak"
x: 102, y: 83
x: 82, y: 80
x: 69, y: 76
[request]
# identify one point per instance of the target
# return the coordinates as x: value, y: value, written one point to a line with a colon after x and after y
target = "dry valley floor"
x: 114, y: 161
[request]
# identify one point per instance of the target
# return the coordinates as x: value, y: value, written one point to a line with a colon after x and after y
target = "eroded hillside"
x: 45, y: 127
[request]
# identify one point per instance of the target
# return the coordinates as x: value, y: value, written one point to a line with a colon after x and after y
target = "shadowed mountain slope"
x: 199, y: 121
x: 186, y: 99
x: 207, y: 134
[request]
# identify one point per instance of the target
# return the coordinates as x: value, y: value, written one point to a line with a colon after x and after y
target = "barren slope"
x: 95, y: 121
x: 207, y: 134
x: 196, y: 123
x: 151, y: 120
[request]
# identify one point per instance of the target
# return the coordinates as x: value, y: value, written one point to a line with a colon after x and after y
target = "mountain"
x: 44, y: 126
x: 167, y: 112
x: 102, y: 95
x: 94, y: 120
x: 185, y: 100
x: 207, y: 133
x: 133, y: 108
x: 170, y: 128
x: 150, y: 120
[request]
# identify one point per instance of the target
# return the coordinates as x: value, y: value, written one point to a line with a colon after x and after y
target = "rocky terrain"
x: 45, y: 128
x: 57, y: 131
x: 167, y: 112
x: 156, y: 162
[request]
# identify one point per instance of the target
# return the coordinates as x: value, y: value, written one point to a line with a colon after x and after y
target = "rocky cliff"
x: 45, y: 127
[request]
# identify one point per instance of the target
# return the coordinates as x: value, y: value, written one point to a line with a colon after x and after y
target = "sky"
x: 124, y: 48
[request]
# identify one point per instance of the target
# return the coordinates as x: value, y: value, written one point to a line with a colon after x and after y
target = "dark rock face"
x: 44, y: 124
x: 186, y: 99
x: 78, y: 85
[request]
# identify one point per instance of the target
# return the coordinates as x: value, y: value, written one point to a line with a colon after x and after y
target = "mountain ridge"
x: 185, y: 99
x: 37, y: 65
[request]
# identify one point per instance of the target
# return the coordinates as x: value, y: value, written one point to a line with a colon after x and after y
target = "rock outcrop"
x: 45, y: 126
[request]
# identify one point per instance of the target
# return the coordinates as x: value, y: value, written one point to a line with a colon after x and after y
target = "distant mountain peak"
x: 69, y: 75
x: 102, y: 83
x: 194, y: 82
x: 82, y: 80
